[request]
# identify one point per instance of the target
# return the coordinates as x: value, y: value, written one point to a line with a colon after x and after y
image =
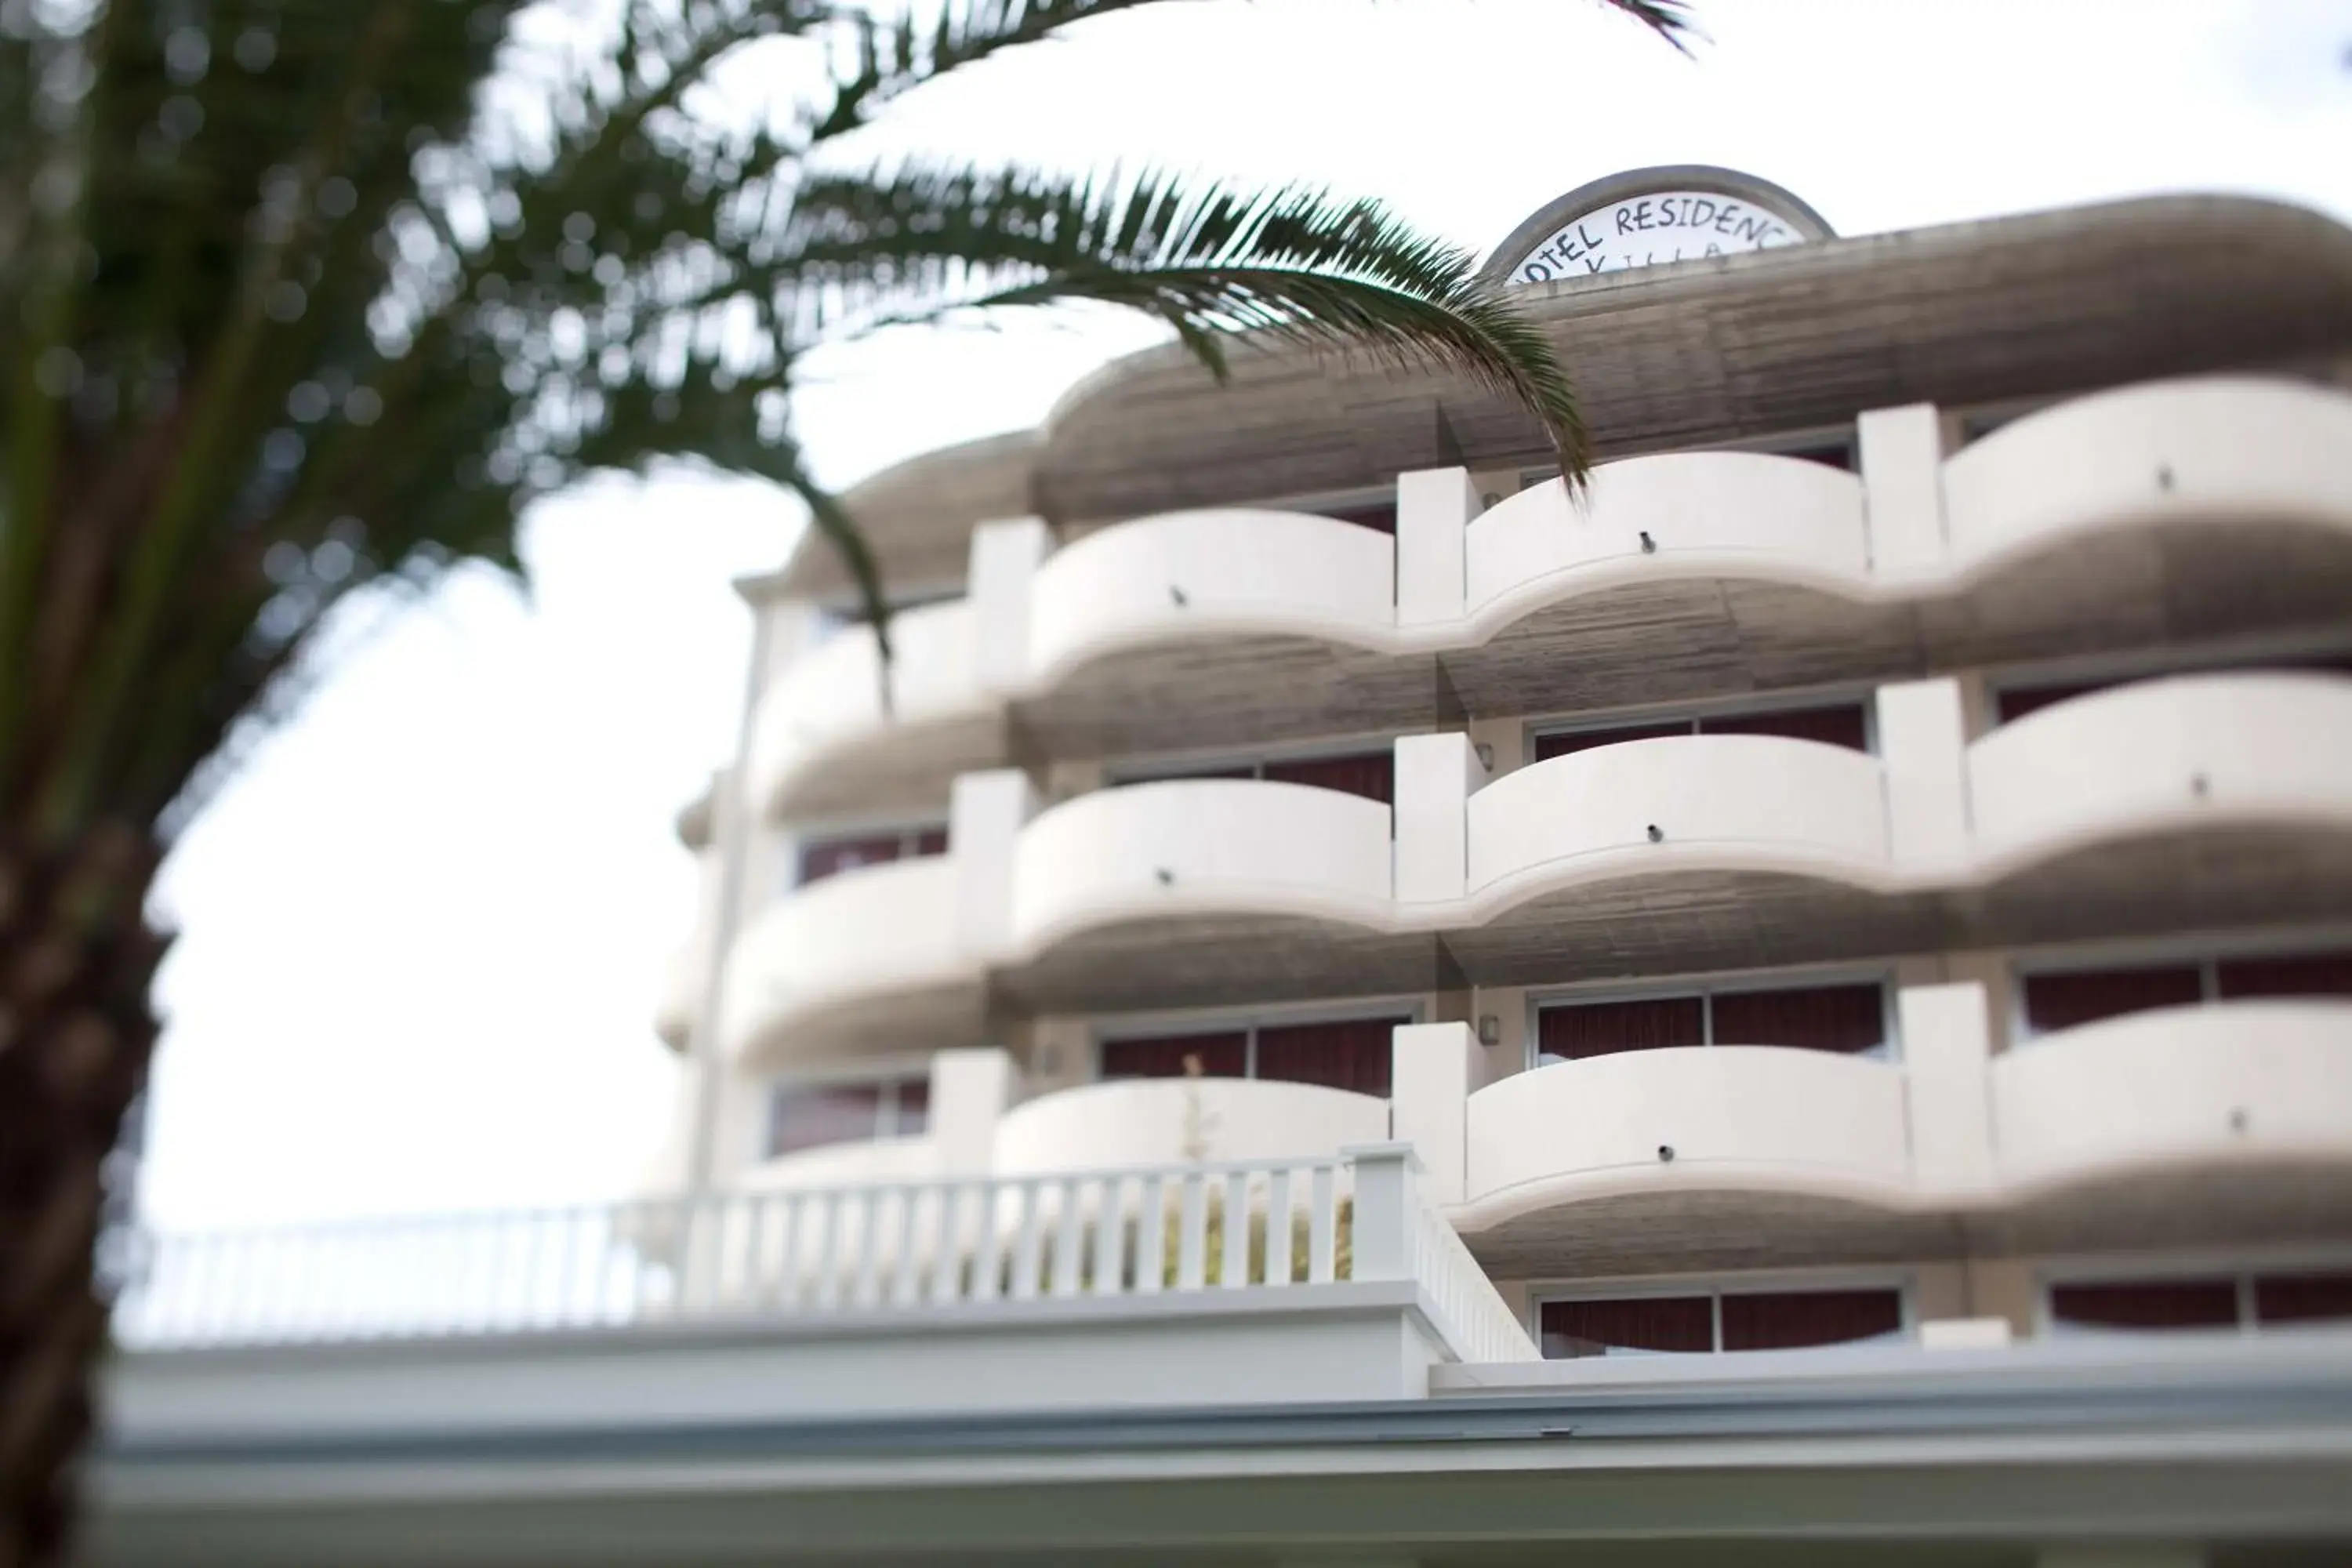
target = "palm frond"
x: 916, y: 243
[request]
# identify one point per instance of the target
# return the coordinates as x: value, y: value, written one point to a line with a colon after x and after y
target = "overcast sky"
x: 423, y: 931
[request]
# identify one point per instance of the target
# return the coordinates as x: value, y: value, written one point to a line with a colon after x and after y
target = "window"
x: 811, y: 1115
x: 2247, y: 1301
x: 1848, y: 1019
x: 1705, y: 1321
x: 1845, y: 724
x: 2055, y: 999
x: 1352, y: 1054
x: 1379, y: 516
x: 1371, y: 774
x: 823, y: 857
x: 2012, y: 703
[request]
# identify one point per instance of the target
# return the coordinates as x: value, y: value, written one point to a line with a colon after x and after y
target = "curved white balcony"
x: 1172, y: 1121
x: 869, y: 956
x: 823, y: 741
x: 1656, y: 520
x: 1209, y: 574
x: 1761, y: 1118
x: 1146, y: 894
x: 1200, y: 847
x: 2195, y: 754
x: 1729, y: 802
x: 2237, y: 451
x: 1617, y: 1162
x: 2182, y: 1108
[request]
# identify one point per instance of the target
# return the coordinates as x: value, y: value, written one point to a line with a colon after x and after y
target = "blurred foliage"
x: 306, y: 294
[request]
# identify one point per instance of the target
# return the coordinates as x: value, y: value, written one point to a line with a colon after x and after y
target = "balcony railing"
x: 934, y: 1246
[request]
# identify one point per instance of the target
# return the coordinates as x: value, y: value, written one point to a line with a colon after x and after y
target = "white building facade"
x: 1820, y: 963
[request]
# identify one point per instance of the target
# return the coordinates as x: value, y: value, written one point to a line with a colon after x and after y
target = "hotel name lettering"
x: 1644, y: 231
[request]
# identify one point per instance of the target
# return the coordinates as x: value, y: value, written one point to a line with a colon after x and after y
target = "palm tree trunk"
x: 75, y: 1032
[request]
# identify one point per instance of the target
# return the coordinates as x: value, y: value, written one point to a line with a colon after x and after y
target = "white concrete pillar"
x: 1432, y: 1070
x: 1434, y: 507
x: 985, y: 814
x: 1380, y: 1240
x: 1902, y: 454
x: 1947, y: 1066
x: 1435, y: 777
x: 1922, y: 745
x: 1002, y: 580
x: 971, y: 1092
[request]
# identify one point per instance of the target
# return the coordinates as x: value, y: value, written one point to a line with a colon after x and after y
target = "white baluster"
x: 1192, y: 1235
x: 1030, y: 1241
x: 1322, y: 1229
x: 1235, y: 1273
x: 1277, y: 1227
x: 1066, y: 1239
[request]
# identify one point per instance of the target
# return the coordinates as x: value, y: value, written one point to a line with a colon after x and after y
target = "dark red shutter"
x: 2300, y: 974
x: 2066, y: 1001
x: 1567, y: 740
x: 914, y: 1106
x: 1794, y: 1320
x: 1162, y: 1055
x: 2148, y: 1304
x: 825, y: 858
x: 2017, y: 701
x: 1351, y: 1055
x: 1845, y: 1018
x: 1379, y: 516
x: 1575, y: 1030
x: 931, y: 841
x: 1684, y: 1324
x: 803, y: 1116
x: 1371, y: 774
x: 1836, y: 724
x: 2302, y: 1298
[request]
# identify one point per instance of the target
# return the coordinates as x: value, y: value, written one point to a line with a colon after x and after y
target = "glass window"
x: 1799, y: 1319
x: 1836, y: 724
x: 911, y: 1107
x: 2303, y: 1298
x: 1847, y: 1019
x: 2067, y: 1001
x: 2297, y: 975
x: 2146, y: 1304
x: 1617, y: 1325
x: 1845, y: 724
x: 1222, y: 1055
x: 1352, y: 1054
x: 823, y: 857
x: 808, y: 1115
x: 1562, y: 742
x: 1572, y: 1031
x: 1730, y: 1321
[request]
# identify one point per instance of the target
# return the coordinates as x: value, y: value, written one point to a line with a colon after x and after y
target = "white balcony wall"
x: 1171, y: 1121
x: 1213, y: 574
x: 2232, y: 1084
x: 1200, y: 845
x: 1755, y: 1116
x: 832, y: 698
x: 2226, y: 448
x: 2251, y: 750
x: 1720, y: 802
x: 863, y: 933
x: 1740, y: 513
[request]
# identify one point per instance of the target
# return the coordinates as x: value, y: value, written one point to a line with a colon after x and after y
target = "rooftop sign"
x: 1647, y: 216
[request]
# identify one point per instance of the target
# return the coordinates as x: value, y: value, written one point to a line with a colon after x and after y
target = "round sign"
x: 1648, y: 216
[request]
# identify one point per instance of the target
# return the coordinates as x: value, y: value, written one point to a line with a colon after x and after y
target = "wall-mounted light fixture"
x: 1490, y: 1029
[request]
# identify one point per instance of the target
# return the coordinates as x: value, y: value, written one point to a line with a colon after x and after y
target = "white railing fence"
x: 942, y: 1243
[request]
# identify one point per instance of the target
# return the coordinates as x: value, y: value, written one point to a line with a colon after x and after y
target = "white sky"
x: 422, y: 932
